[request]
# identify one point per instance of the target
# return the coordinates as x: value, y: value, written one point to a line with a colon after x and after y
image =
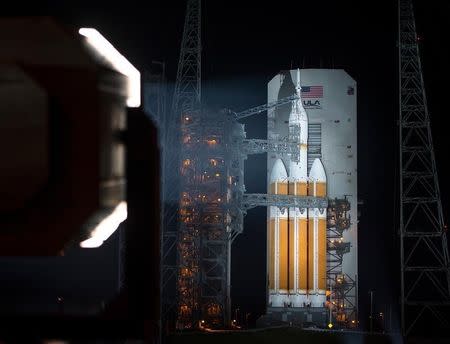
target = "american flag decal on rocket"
x: 312, y: 92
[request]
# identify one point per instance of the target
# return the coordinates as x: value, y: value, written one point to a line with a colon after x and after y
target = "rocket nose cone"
x: 317, y: 171
x: 278, y: 172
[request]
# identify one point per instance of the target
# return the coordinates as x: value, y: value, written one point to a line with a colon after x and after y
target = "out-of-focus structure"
x: 425, y: 270
x: 68, y: 163
x: 65, y: 111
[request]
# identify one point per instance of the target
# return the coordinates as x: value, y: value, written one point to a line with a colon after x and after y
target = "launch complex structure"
x: 204, y: 199
x: 311, y: 196
x: 308, y: 277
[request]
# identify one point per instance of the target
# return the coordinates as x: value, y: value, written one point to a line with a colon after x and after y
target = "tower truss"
x: 425, y: 279
x: 186, y: 104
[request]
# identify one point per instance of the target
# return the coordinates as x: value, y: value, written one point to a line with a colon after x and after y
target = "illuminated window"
x: 211, y: 142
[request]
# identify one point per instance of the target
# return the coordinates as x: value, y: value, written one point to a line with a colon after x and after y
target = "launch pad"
x: 318, y: 316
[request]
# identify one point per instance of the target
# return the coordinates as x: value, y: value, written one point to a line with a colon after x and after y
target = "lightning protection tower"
x: 425, y: 279
x: 183, y: 117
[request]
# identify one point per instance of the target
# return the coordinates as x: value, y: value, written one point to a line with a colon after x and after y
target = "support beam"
x: 283, y: 201
x: 258, y: 146
x: 262, y: 108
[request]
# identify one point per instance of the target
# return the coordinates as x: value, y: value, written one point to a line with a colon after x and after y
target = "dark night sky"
x: 244, y: 46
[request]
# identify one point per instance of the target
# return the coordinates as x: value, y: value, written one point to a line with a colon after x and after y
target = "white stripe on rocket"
x: 298, y: 133
x: 316, y: 175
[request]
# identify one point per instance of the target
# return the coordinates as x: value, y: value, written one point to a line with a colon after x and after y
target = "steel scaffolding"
x: 425, y: 278
x: 186, y: 102
x: 342, y: 298
x: 211, y: 216
x: 187, y: 111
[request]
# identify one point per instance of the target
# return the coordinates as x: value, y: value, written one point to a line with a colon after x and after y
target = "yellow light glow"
x: 106, y: 49
x: 106, y: 227
x: 330, y: 325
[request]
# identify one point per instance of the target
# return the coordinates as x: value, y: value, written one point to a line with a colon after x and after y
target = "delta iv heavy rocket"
x: 297, y: 236
x: 312, y: 256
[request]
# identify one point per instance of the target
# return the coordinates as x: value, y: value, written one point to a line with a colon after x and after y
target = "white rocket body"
x: 278, y: 222
x: 317, y: 220
x: 297, y: 236
x: 298, y: 178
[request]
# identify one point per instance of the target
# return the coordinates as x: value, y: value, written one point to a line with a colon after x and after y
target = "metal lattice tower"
x: 425, y: 279
x: 187, y: 95
x: 186, y: 100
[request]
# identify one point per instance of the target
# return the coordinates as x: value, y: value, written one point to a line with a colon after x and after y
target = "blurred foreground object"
x: 63, y: 104
x: 77, y: 165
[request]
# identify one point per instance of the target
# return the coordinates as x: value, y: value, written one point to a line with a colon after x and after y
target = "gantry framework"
x: 186, y: 102
x: 262, y: 108
x: 187, y: 112
x: 283, y: 201
x: 425, y: 277
x: 343, y: 293
x: 212, y: 174
x: 256, y: 146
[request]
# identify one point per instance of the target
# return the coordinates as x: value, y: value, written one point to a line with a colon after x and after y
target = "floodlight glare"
x: 104, y: 48
x: 106, y: 227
